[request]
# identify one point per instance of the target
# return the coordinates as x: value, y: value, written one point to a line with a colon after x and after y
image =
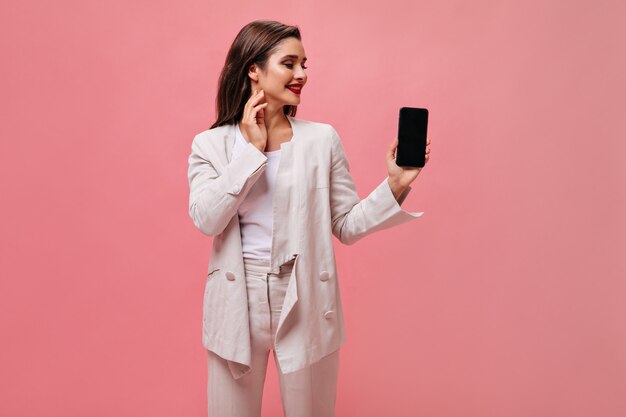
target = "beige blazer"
x: 314, y: 199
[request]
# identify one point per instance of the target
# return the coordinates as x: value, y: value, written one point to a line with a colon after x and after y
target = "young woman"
x: 272, y: 190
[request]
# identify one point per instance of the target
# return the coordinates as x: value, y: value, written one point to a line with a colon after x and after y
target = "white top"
x: 255, y: 212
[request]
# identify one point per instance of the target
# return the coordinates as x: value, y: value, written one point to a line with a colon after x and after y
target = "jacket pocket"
x: 212, y: 271
x: 318, y: 177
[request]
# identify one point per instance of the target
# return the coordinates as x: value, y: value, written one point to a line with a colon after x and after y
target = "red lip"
x: 296, y: 90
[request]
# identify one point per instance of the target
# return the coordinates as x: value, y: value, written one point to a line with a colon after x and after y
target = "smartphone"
x: 412, y: 126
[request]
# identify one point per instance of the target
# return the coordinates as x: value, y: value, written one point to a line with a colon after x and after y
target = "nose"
x: 301, y: 76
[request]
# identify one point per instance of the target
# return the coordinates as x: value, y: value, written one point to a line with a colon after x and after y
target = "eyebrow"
x: 293, y: 56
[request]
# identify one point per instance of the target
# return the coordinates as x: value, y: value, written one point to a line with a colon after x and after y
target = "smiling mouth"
x: 295, y: 90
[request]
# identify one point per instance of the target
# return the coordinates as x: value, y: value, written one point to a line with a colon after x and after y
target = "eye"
x: 291, y: 66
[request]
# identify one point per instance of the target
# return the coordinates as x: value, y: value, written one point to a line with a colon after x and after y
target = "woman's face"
x: 284, y: 67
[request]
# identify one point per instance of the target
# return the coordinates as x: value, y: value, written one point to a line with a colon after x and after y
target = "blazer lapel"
x: 285, y: 204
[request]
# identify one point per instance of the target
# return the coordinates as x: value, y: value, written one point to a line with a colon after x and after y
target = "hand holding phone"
x: 409, y: 152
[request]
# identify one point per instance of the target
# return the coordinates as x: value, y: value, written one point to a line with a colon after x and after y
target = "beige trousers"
x: 309, y: 392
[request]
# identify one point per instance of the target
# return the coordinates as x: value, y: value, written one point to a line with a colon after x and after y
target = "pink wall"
x: 507, y: 298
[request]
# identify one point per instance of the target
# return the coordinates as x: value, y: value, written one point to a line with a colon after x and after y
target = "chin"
x: 292, y: 102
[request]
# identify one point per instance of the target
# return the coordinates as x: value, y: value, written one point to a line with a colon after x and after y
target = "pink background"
x: 507, y: 298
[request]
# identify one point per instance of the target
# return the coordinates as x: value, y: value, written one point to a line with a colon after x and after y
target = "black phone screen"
x: 412, y: 127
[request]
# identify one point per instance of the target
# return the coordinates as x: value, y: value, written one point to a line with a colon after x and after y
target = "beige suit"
x: 314, y: 199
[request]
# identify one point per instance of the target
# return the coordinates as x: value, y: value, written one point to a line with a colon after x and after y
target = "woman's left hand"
x: 401, y: 177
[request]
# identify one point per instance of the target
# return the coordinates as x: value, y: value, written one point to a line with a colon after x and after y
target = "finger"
x: 259, y: 113
x: 250, y: 108
x: 260, y: 118
x: 251, y: 114
x: 391, y: 149
x: 256, y: 99
x: 246, y: 107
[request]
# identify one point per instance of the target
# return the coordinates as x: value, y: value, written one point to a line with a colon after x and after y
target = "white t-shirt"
x: 255, y: 212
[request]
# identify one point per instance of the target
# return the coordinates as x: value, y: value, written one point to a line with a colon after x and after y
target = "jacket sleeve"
x: 214, y: 197
x: 353, y: 218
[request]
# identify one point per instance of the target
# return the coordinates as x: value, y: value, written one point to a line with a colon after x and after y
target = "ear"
x: 252, y: 73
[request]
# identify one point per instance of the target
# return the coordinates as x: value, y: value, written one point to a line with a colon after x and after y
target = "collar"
x: 230, y: 136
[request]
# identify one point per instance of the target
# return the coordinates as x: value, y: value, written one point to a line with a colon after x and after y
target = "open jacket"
x: 314, y: 199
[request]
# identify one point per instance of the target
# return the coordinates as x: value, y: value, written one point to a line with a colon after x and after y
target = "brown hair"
x: 254, y: 44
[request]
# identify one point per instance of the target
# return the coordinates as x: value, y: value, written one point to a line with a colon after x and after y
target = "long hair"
x: 254, y: 44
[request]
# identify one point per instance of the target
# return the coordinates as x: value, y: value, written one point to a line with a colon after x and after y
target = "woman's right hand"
x: 253, y: 120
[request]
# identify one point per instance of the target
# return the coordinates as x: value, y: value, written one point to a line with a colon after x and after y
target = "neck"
x: 274, y: 117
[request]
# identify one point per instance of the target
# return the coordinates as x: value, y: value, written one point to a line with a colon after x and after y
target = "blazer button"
x: 236, y: 188
x: 230, y: 276
x: 324, y: 276
x: 329, y: 314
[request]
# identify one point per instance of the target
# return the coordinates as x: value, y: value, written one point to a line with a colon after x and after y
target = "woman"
x: 272, y: 190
